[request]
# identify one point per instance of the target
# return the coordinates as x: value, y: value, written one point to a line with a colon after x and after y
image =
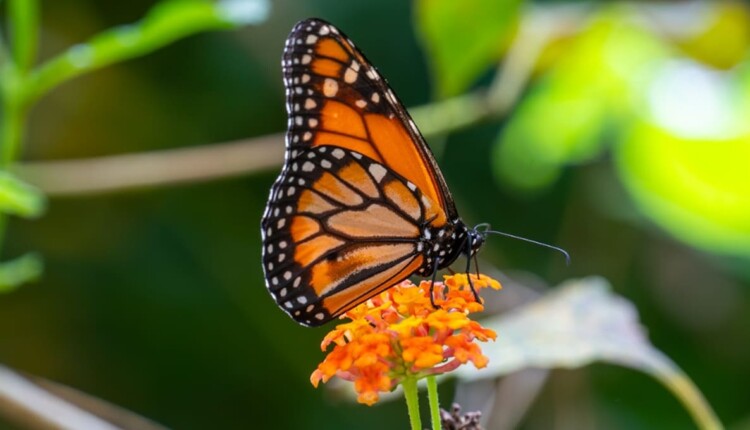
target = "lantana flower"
x: 399, y: 337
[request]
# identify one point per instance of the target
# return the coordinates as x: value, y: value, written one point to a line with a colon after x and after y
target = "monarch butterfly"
x: 360, y: 203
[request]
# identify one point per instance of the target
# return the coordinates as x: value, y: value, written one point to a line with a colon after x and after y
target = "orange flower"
x: 399, y: 334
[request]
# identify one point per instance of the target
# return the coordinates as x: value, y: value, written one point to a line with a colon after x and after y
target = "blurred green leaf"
x: 165, y: 23
x: 19, y: 271
x: 20, y: 198
x: 581, y: 322
x: 564, y: 119
x: 723, y: 39
x: 463, y: 39
x: 696, y: 189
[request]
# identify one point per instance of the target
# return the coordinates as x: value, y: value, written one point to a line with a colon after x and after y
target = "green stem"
x: 412, y: 402
x: 432, y: 396
x: 685, y: 390
x: 23, y: 22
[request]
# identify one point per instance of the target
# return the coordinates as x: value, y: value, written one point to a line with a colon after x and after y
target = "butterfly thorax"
x: 441, y: 246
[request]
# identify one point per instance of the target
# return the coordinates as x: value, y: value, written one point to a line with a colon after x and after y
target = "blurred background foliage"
x: 615, y: 130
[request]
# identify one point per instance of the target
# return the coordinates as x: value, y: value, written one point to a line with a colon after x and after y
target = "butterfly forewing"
x: 335, y: 96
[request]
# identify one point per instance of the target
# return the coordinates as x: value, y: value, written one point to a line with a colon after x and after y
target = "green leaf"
x: 581, y: 322
x: 20, y: 198
x: 19, y: 271
x: 563, y: 120
x: 696, y: 189
x: 165, y: 23
x: 464, y: 38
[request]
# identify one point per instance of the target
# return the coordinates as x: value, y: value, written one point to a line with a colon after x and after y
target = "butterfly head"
x: 476, y: 239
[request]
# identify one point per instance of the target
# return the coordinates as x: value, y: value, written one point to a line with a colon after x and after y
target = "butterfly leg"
x: 468, y: 271
x: 432, y: 284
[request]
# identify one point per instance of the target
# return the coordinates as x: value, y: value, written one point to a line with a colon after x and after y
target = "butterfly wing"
x: 358, y: 183
x: 335, y: 96
x: 339, y: 228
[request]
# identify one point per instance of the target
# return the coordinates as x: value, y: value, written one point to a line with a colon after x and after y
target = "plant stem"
x: 412, y: 402
x: 23, y: 16
x: 432, y: 396
x: 690, y: 396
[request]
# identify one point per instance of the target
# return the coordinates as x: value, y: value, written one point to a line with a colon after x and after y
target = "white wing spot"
x: 307, y: 136
x: 411, y: 186
x: 311, y: 39
x: 308, y: 167
x: 330, y: 87
x: 288, y: 275
x: 324, y: 30
x: 296, y: 282
x: 375, y: 97
x: 313, y: 122
x: 357, y: 155
x: 305, y: 78
x: 282, y: 244
x: 320, y: 316
x: 355, y: 66
x: 338, y: 153
x: 350, y: 76
x: 288, y: 210
x: 288, y: 305
x: 298, y: 120
x: 306, y: 59
x: 302, y: 300
x: 281, y: 223
x: 361, y: 104
x: 377, y: 171
x: 310, y: 103
x: 282, y: 257
x: 326, y: 164
x: 309, y: 308
x: 282, y: 292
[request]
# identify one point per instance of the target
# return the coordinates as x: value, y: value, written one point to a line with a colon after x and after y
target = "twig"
x: 45, y: 405
x: 123, y: 172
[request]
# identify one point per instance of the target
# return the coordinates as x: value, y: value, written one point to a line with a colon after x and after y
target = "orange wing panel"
x: 337, y: 190
x: 303, y: 227
x: 313, y: 203
x: 340, y: 118
x: 374, y: 221
x: 310, y: 250
x: 357, y: 293
x: 355, y: 175
x: 326, y: 67
x: 330, y: 48
x: 400, y: 153
x: 329, y: 274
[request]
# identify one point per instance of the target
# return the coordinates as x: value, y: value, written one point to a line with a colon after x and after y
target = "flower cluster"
x: 399, y: 334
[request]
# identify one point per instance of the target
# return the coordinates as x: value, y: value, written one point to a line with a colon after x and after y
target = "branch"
x: 159, y: 168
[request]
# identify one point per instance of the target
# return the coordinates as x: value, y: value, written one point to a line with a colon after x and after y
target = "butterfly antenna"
x: 546, y: 245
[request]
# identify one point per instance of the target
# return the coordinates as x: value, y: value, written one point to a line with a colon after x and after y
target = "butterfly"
x: 360, y: 204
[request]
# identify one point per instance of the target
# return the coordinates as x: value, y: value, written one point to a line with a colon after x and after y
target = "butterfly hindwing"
x: 339, y: 228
